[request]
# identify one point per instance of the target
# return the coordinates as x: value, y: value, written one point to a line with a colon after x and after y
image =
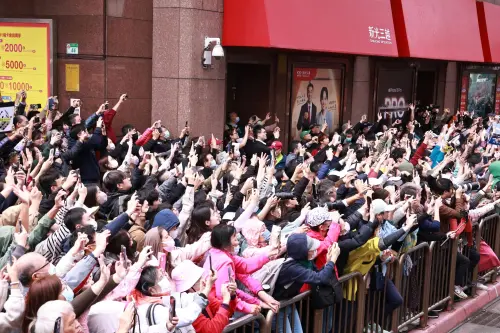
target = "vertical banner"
x: 72, y: 77
x: 394, y: 92
x: 481, y: 94
x: 315, y: 99
x: 463, y: 92
x: 26, y: 59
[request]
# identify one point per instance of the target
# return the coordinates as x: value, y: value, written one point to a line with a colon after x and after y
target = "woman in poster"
x: 325, y: 116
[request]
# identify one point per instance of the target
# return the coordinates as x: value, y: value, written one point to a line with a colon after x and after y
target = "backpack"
x: 323, y: 296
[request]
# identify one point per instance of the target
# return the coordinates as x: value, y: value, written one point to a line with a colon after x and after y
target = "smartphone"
x: 20, y: 225
x: 11, y: 261
x: 162, y: 259
x: 15, y: 168
x: 255, y: 183
x: 77, y: 172
x: 230, y: 274
x: 51, y: 103
x: 147, y: 156
x: 35, y: 106
x: 210, y: 263
x: 186, y: 124
x: 106, y: 106
x: 124, y: 253
x: 172, y: 307
x: 369, y: 202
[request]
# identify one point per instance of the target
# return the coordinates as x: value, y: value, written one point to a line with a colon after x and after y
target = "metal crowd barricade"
x: 375, y: 318
x: 471, y: 275
x: 247, y: 324
x: 412, y: 279
x: 489, y: 231
x: 442, y: 279
x: 286, y: 316
x: 346, y: 316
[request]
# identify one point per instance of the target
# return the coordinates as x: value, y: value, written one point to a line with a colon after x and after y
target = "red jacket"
x: 145, y: 137
x: 107, y: 119
x: 207, y: 322
x: 419, y: 153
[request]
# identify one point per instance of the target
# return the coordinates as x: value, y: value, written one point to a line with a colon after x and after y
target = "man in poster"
x: 308, y: 108
x: 325, y: 116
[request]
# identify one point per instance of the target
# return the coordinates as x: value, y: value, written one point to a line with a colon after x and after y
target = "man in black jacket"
x: 258, y: 145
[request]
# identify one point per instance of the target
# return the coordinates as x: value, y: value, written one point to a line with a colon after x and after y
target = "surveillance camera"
x: 217, y: 52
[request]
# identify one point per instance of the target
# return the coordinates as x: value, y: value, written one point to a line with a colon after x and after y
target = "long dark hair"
x: 200, y: 215
x: 91, y: 198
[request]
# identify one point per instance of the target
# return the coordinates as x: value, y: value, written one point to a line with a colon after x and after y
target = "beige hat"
x: 10, y: 216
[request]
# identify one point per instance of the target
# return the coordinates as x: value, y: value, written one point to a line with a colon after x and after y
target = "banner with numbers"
x: 26, y: 59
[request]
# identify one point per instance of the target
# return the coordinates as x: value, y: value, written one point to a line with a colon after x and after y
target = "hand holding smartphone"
x: 172, y: 308
x: 124, y: 256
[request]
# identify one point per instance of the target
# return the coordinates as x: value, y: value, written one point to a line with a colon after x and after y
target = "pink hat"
x: 185, y: 275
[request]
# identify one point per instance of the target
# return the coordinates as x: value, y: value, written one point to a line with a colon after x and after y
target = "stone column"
x: 450, y: 90
x: 182, y: 89
x: 360, y: 89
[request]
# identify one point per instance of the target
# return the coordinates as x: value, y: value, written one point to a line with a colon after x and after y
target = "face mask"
x: 111, y: 146
x: 237, y: 120
x: 213, y: 164
x: 348, y: 140
x: 52, y: 269
x: 173, y: 234
x: 315, y: 253
x: 236, y: 250
x: 347, y: 228
x: 164, y: 285
x: 168, y: 245
x: 267, y: 235
x: 101, y: 198
x: 134, y: 160
x: 93, y: 223
x: 68, y: 293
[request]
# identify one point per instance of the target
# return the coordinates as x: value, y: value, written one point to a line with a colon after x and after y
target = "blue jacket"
x: 294, y: 274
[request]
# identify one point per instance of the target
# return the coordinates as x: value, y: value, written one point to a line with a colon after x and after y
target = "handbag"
x: 325, y: 295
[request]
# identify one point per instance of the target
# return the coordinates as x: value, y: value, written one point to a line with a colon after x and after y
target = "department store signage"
x: 380, y: 35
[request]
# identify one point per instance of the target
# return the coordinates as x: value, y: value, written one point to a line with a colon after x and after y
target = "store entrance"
x: 247, y: 90
x: 426, y: 87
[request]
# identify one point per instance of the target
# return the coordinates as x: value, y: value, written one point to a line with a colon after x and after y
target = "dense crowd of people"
x: 145, y: 232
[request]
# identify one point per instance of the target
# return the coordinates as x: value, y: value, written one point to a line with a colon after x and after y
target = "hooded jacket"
x: 294, y: 272
x: 495, y: 171
x: 251, y: 231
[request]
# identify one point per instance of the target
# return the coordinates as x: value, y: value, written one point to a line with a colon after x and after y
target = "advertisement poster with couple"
x: 315, y: 99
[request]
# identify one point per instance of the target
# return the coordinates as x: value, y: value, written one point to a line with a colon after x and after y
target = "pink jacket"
x: 240, y: 267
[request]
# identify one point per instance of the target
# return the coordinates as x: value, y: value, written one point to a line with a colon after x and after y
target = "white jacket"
x: 188, y: 308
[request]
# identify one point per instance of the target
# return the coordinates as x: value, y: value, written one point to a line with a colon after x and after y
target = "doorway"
x: 247, y: 90
x: 426, y: 87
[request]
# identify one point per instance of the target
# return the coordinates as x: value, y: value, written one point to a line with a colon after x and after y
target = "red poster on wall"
x: 463, y: 92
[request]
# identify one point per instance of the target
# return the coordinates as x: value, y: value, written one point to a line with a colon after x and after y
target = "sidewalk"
x: 448, y: 320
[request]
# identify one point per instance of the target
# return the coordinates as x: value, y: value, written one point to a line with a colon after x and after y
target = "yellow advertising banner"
x: 25, y: 60
x: 72, y: 77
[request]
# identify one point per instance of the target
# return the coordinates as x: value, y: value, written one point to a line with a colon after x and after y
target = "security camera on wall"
x: 212, y: 48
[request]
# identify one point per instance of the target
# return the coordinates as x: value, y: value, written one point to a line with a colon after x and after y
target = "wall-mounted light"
x: 216, y: 51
